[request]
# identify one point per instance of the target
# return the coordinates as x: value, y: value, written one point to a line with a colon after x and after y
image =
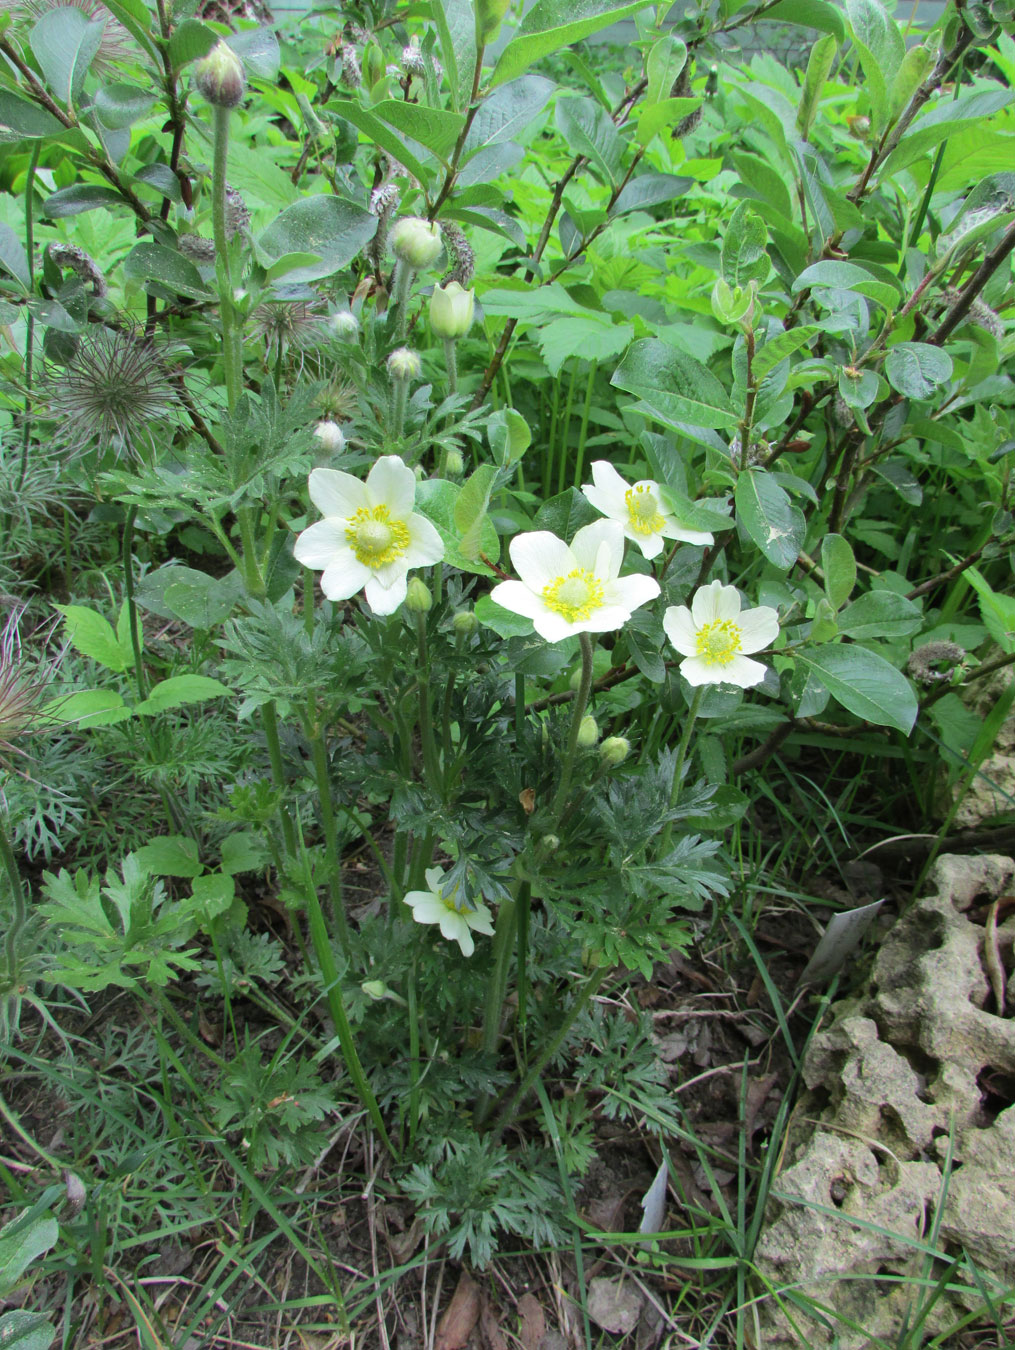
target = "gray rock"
x: 894, y: 1088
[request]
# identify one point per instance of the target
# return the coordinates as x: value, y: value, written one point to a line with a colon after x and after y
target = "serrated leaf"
x: 436, y: 498
x: 92, y: 635
x: 769, y: 517
x: 916, y: 369
x: 864, y: 683
x: 171, y: 855
x: 589, y: 337
x: 179, y: 690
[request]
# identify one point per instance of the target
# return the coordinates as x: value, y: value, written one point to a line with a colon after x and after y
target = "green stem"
x: 26, y: 429
x: 165, y: 1004
x: 399, y: 403
x: 336, y: 1005
x: 431, y: 761
x: 232, y: 356
x: 412, y: 1012
x: 400, y: 299
x: 128, y: 590
x: 20, y: 914
x: 451, y: 363
x: 584, y: 428
x: 678, y: 766
x: 329, y: 825
x: 503, y: 945
x: 577, y: 713
x: 565, y: 430
x: 549, y: 1050
x: 269, y: 722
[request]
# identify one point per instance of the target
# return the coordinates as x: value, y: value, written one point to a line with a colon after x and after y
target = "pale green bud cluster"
x: 404, y: 364
x: 614, y: 750
x: 219, y: 77
x: 465, y: 623
x: 588, y: 733
x: 452, y: 308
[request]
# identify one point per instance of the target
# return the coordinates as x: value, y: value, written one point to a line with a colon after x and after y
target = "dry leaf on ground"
x: 460, y: 1316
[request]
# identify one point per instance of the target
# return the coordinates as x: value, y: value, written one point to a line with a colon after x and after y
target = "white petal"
x: 427, y: 910
x: 606, y: 619
x: 540, y: 557
x: 337, y: 494
x: 321, y: 544
x: 673, y: 530
x: 744, y: 672
x: 758, y: 627
x: 454, y: 927
x: 599, y: 548
x: 696, y: 671
x: 425, y: 544
x: 679, y: 627
x: 434, y: 877
x: 651, y: 545
x: 604, y: 502
x: 344, y: 578
x: 480, y: 920
x: 386, y: 599
x: 392, y: 483
x: 713, y: 602
x: 552, y: 627
x: 631, y: 592
x: 516, y: 596
x: 609, y: 486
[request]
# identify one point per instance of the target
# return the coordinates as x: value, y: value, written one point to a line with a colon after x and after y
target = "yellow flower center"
x: 719, y: 642
x: 643, y: 513
x: 451, y: 904
x: 374, y: 537
x: 575, y: 597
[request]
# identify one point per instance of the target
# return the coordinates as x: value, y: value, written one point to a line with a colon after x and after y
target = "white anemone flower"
x: 443, y: 906
x: 638, y: 510
x: 370, y: 536
x: 577, y: 588
x: 714, y: 635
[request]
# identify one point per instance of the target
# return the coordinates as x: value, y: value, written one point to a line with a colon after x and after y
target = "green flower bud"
x: 418, y: 598
x: 550, y: 842
x: 344, y: 325
x: 220, y: 77
x: 416, y: 242
x: 451, y: 310
x: 489, y: 14
x: 588, y: 733
x: 465, y: 623
x: 454, y: 463
x: 375, y: 989
x: 330, y: 435
x: 404, y: 364
x: 373, y: 65
x: 614, y: 750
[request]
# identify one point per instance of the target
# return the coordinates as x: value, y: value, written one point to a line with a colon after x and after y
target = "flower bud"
x: 489, y: 14
x: 465, y: 623
x: 418, y: 599
x: 219, y: 77
x: 404, y: 364
x: 588, y: 733
x: 454, y: 464
x: 550, y: 842
x: 375, y: 989
x: 373, y: 64
x: 451, y: 310
x: 416, y: 242
x: 344, y: 325
x: 614, y: 750
x: 330, y: 435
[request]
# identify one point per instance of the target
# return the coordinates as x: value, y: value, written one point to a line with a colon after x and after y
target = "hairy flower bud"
x: 330, y: 435
x: 404, y: 364
x: 219, y: 77
x: 614, y: 750
x: 454, y: 464
x: 489, y: 14
x: 418, y: 599
x: 451, y: 310
x: 416, y: 242
x: 465, y: 623
x: 588, y: 733
x: 344, y: 325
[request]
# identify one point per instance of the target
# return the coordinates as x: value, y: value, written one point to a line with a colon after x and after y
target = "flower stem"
x: 26, y: 429
x: 399, y: 403
x: 451, y: 364
x: 431, y: 761
x: 577, y: 713
x: 128, y: 590
x: 269, y: 722
x: 588, y: 990
x: 400, y: 299
x: 678, y: 766
x: 412, y: 1013
x: 232, y: 352
x: 19, y: 916
x: 329, y: 825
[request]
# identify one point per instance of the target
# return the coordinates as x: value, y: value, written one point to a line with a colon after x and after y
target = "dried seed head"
x: 351, y: 75
x: 115, y: 44
x: 412, y: 58
x: 22, y: 690
x: 935, y: 662
x: 237, y: 215
x: 198, y: 250
x: 459, y: 250
x: 288, y: 325
x: 113, y: 393
x: 383, y: 202
x: 71, y: 258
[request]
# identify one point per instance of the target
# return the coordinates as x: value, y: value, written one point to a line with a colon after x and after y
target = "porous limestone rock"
x: 900, y: 1131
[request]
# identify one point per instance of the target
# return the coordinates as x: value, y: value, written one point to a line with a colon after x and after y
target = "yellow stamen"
x: 643, y: 513
x: 575, y: 597
x: 453, y: 906
x: 374, y: 537
x: 718, y: 643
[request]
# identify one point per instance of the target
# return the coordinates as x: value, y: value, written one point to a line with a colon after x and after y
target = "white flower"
x: 457, y: 921
x: 573, y: 589
x: 638, y: 509
x: 370, y: 536
x: 330, y: 435
x: 713, y: 635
